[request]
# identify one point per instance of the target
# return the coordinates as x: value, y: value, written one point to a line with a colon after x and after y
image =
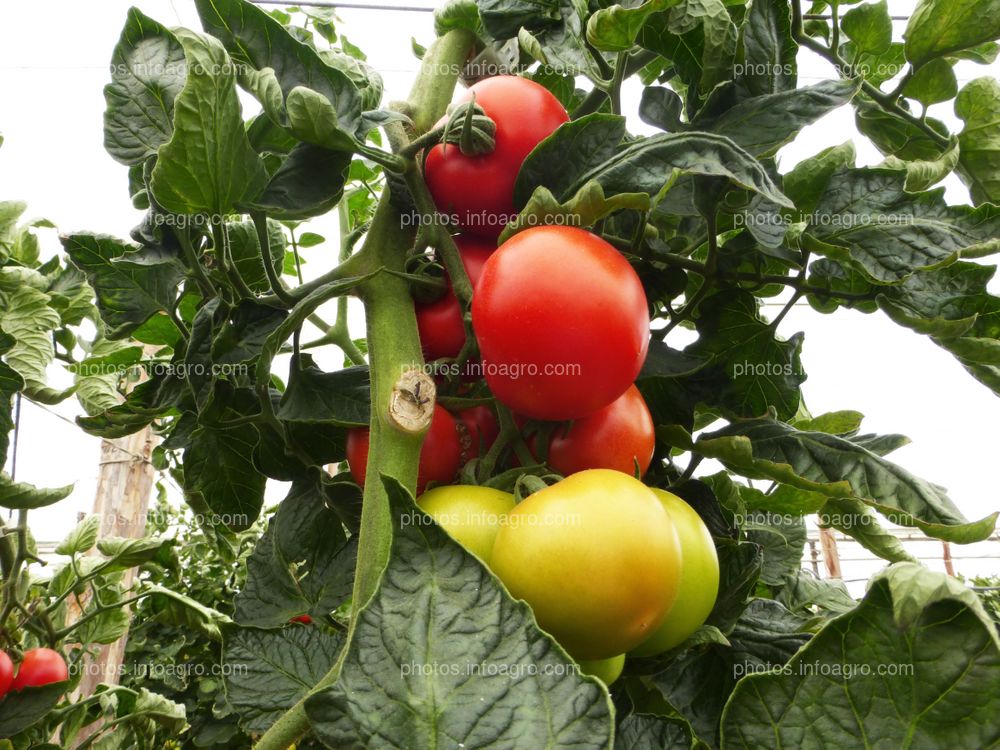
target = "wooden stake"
x: 831, y: 557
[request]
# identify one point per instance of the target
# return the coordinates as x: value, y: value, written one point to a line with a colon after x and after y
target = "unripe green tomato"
x: 606, y: 670
x: 597, y: 558
x: 472, y: 515
x: 699, y: 585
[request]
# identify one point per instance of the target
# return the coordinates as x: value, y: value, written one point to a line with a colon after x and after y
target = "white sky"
x: 51, y: 106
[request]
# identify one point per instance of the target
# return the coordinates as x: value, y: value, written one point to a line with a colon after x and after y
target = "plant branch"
x: 264, y: 243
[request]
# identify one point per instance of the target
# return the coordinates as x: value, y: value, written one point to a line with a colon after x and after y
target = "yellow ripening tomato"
x: 699, y: 584
x: 472, y: 515
x: 597, y: 558
x: 606, y: 670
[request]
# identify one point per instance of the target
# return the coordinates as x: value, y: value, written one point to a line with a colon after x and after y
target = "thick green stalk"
x: 393, y: 347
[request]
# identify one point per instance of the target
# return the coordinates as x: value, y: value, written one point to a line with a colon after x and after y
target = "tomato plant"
x: 654, y: 242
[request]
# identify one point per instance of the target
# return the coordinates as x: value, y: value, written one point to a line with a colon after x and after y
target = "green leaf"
x: 978, y: 104
x: 503, y: 18
x: 867, y: 219
x: 833, y: 423
x: 763, y: 124
x: 173, y: 608
x: 933, y: 83
x: 21, y: 496
x: 431, y: 596
x: 739, y: 570
x: 894, y: 136
x: 82, y: 538
x: 648, y: 732
x: 586, y: 150
x: 698, y: 681
x: 916, y: 664
x: 857, y: 520
x: 128, y: 294
x: 30, y: 320
x: 147, y: 73
x: 309, y: 182
x: 303, y: 564
x: 615, y: 29
x: 807, y: 182
x: 23, y: 708
x: 584, y: 209
x: 10, y: 384
x: 782, y: 539
x: 244, y: 248
x: 803, y: 591
x: 561, y: 47
x: 699, y: 37
x: 924, y: 174
x: 208, y: 165
x: 769, y: 64
x: 869, y: 27
x: 340, y: 397
x: 760, y: 371
x: 124, y: 553
x: 255, y: 39
x: 218, y: 467
x: 943, y: 27
x: 838, y: 468
x: 269, y: 671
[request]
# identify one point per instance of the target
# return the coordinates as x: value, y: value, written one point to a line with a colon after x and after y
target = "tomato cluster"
x: 38, y: 667
x: 609, y: 566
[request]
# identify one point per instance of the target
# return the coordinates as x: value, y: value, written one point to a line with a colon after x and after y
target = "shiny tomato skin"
x: 479, y: 189
x: 615, y: 437
x: 442, y: 332
x: 40, y: 666
x: 471, y: 515
x: 699, y: 582
x: 440, y: 454
x: 597, y: 558
x: 562, y: 323
x: 606, y: 670
x: 478, y: 430
x: 6, y: 673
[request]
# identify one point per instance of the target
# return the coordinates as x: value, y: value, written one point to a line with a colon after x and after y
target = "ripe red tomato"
x: 478, y: 430
x: 561, y: 321
x: 40, y: 666
x: 614, y: 437
x: 6, y: 673
x: 442, y: 332
x: 304, y: 619
x: 479, y: 190
x: 440, y: 454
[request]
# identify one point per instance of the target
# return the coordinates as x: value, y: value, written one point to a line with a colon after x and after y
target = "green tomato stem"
x: 393, y: 345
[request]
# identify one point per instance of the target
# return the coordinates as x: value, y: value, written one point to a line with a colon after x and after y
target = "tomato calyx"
x: 471, y: 129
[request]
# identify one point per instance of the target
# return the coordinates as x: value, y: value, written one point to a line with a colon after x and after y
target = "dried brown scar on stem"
x: 411, y: 407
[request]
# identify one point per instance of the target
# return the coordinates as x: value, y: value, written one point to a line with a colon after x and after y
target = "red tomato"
x: 304, y: 619
x: 40, y: 666
x: 440, y: 454
x: 611, y: 438
x: 562, y: 323
x: 478, y: 430
x: 6, y: 673
x: 442, y: 332
x: 479, y: 190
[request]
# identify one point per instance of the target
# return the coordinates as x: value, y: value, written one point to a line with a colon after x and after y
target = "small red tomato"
x: 478, y: 190
x: 614, y: 437
x: 6, y: 673
x: 562, y: 323
x: 40, y: 666
x: 442, y: 331
x: 440, y: 454
x: 304, y: 619
x: 478, y: 430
